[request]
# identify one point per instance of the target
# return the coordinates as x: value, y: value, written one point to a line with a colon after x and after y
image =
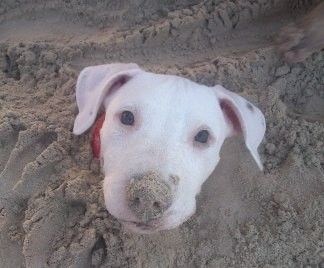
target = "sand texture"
x: 52, y: 212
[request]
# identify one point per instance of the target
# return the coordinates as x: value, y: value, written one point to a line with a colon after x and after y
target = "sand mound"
x: 52, y: 212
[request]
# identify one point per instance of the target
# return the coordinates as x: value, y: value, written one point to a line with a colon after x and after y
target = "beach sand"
x: 52, y: 212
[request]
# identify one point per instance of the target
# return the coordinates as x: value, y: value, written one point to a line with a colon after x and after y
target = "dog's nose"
x: 148, y: 196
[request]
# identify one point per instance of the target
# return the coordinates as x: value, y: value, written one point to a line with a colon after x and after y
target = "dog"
x: 160, y: 139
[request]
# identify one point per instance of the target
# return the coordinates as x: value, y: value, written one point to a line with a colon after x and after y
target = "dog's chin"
x: 141, y: 228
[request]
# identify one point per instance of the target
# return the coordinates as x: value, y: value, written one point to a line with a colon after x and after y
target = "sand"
x: 52, y: 212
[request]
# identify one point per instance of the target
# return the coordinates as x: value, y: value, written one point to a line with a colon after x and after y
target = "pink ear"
x: 231, y: 115
x: 243, y: 117
x: 93, y: 85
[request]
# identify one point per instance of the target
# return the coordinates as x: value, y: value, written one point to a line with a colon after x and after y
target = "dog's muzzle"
x: 148, y: 197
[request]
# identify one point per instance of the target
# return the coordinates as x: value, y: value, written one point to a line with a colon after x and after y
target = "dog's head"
x: 160, y: 139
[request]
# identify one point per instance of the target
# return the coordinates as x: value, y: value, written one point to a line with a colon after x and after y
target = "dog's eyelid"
x: 130, y: 107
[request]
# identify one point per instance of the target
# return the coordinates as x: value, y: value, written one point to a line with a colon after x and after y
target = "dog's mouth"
x: 140, y: 227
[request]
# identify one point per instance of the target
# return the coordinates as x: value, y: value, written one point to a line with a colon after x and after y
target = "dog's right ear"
x: 93, y: 85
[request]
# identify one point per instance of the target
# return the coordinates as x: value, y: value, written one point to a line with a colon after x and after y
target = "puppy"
x: 160, y: 139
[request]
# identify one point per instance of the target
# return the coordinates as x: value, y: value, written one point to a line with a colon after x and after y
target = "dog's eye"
x: 202, y: 136
x: 127, y: 118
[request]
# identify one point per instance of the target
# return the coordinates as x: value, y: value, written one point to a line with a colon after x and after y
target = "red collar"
x: 95, y: 144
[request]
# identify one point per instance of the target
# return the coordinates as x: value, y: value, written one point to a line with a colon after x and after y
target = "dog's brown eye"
x: 202, y: 136
x: 127, y: 118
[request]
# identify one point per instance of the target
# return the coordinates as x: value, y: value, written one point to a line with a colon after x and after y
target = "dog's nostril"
x: 156, y: 205
x: 136, y: 201
x: 148, y: 196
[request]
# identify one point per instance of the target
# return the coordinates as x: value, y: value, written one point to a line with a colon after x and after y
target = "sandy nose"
x: 148, y: 196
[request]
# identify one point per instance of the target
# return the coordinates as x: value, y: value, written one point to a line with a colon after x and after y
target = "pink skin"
x: 300, y: 39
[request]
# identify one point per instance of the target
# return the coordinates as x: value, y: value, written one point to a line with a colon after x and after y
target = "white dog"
x: 160, y: 139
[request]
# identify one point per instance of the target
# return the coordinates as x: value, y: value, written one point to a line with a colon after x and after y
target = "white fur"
x: 169, y: 111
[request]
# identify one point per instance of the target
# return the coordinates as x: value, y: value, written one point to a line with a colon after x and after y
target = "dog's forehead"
x: 169, y: 94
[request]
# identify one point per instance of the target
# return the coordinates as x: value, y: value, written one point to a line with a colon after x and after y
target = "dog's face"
x: 160, y: 141
x: 177, y: 133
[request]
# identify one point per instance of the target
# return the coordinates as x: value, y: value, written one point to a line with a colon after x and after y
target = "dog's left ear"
x: 94, y: 84
x: 244, y: 118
